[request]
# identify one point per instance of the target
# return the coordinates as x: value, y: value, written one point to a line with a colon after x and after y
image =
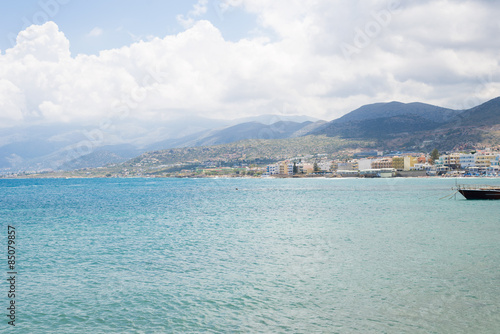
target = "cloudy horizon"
x: 321, y: 59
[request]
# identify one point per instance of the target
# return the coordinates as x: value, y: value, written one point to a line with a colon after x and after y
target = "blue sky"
x: 118, y: 22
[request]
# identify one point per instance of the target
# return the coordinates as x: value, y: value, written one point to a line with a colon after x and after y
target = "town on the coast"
x: 378, y: 164
x: 390, y: 139
x: 374, y: 164
x: 351, y: 163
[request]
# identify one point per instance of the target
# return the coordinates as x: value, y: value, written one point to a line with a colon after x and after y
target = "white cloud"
x: 11, y: 103
x: 95, y: 32
x: 43, y: 43
x: 439, y: 52
x: 199, y: 9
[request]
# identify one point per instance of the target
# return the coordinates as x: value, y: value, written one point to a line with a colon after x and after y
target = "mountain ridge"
x: 485, y: 114
x: 390, y: 125
x: 381, y: 120
x: 395, y: 108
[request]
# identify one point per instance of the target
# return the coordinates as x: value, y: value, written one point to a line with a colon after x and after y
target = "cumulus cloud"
x: 323, y: 58
x: 404, y: 44
x: 42, y: 43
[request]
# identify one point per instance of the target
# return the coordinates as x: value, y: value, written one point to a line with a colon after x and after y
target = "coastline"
x: 55, y: 177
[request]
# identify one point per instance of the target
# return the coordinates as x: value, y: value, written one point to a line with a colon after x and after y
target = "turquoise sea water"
x: 251, y: 255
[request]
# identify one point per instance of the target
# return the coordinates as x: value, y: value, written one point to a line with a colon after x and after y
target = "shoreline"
x: 243, y: 177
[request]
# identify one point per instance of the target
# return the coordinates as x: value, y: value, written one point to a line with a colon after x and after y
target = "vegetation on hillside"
x: 249, y: 150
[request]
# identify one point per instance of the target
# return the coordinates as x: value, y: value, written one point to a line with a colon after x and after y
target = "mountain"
x: 246, y: 151
x: 391, y: 109
x: 54, y: 147
x: 269, y: 119
x: 392, y: 125
x: 94, y: 159
x: 486, y: 114
x: 247, y: 130
x: 185, y: 141
x: 252, y: 130
x: 384, y: 120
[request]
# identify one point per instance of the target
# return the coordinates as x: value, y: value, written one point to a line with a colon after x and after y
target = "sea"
x: 236, y: 255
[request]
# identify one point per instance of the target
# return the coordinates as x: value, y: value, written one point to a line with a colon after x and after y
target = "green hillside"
x: 249, y: 150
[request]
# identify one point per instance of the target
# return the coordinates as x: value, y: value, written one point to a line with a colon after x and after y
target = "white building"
x: 351, y: 165
x: 496, y: 162
x: 467, y: 160
x: 365, y: 164
x: 325, y: 166
x: 273, y: 169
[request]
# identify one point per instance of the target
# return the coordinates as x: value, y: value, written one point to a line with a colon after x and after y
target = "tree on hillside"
x: 434, y: 155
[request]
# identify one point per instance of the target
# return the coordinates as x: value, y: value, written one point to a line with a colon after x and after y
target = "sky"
x: 80, y: 62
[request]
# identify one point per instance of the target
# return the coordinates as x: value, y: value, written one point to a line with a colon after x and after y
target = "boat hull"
x: 480, y: 193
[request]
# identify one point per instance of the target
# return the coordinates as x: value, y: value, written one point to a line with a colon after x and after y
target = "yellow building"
x: 484, y: 161
x: 282, y: 169
x: 285, y: 168
x: 410, y: 162
x: 398, y: 163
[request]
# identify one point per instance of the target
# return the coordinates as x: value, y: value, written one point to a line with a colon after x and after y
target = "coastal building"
x: 369, y: 173
x: 299, y: 168
x: 398, y: 163
x: 306, y: 167
x: 451, y: 161
x: 283, y: 168
x: 387, y: 172
x: 404, y: 163
x: 420, y: 166
x: 382, y: 163
x: 409, y: 162
x: 325, y: 166
x: 496, y: 162
x: 272, y: 169
x: 350, y: 165
x: 422, y: 159
x: 348, y: 173
x: 365, y: 164
x: 484, y: 160
x: 280, y: 168
x: 467, y: 160
x: 368, y: 154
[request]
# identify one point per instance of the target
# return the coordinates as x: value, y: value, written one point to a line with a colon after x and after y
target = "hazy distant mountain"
x: 22, y: 147
x: 97, y: 158
x: 247, y: 130
x: 253, y: 130
x: 382, y: 120
x: 184, y: 141
x: 61, y: 146
x: 272, y: 118
x: 18, y: 153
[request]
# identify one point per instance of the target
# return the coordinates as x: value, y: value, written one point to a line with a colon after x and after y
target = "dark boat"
x: 479, y: 192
